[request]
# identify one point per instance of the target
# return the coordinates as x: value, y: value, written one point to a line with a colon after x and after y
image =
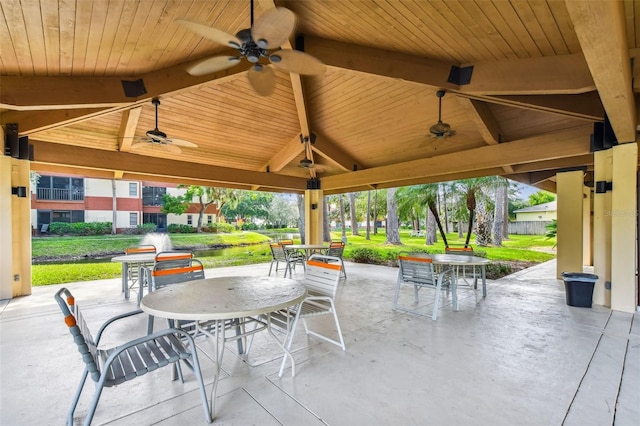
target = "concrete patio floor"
x: 519, y: 357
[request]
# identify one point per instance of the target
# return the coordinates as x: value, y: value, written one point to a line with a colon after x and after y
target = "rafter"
x: 601, y: 30
x: 128, y: 127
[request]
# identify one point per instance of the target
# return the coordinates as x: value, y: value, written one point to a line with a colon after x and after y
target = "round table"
x: 226, y: 298
x: 464, y: 260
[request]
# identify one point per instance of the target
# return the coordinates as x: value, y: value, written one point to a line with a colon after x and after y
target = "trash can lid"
x: 579, y: 276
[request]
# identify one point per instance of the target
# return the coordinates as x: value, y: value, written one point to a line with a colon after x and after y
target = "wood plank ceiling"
x: 543, y: 73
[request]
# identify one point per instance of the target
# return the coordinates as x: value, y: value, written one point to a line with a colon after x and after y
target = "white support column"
x: 602, y: 228
x: 569, y: 235
x: 624, y: 285
x: 313, y: 216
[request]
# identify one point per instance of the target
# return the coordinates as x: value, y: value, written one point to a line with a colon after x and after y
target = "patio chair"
x: 280, y: 254
x: 336, y: 248
x: 134, y: 267
x: 173, y: 255
x: 464, y: 272
x: 167, y: 272
x: 114, y: 366
x: 417, y: 269
x: 321, y: 278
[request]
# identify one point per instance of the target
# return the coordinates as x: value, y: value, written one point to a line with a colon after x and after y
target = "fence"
x: 528, y: 227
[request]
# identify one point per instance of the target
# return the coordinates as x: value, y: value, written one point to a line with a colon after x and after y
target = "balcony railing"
x: 58, y: 194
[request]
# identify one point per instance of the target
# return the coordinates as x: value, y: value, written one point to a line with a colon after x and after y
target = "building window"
x: 189, y: 220
x: 60, y: 188
x: 209, y: 219
x: 133, y: 189
x: 152, y: 195
x: 133, y: 219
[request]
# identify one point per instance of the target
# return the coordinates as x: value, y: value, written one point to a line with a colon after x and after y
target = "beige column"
x: 623, y: 228
x: 587, y: 227
x: 15, y: 229
x: 569, y: 235
x: 313, y: 216
x: 602, y: 228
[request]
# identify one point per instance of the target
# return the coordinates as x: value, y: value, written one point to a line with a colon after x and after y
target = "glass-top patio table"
x: 126, y: 259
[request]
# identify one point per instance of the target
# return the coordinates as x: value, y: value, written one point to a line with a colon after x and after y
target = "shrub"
x: 218, y: 227
x: 141, y: 229
x: 175, y: 228
x: 80, y: 228
x: 248, y: 226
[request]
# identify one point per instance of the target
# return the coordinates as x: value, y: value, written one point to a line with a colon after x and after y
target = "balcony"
x: 60, y: 194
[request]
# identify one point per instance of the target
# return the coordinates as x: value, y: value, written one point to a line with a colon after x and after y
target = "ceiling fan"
x: 268, y: 32
x: 156, y: 137
x: 440, y: 129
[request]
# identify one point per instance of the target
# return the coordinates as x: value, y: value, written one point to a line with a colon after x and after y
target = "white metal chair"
x: 321, y: 279
x: 280, y: 254
x: 113, y: 366
x: 416, y: 269
x: 336, y: 249
x: 134, y: 267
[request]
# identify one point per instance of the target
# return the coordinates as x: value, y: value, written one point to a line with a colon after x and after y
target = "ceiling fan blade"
x: 182, y: 142
x: 262, y: 79
x: 211, y: 65
x: 212, y: 34
x: 138, y: 145
x: 171, y: 148
x: 296, y: 62
x: 273, y: 28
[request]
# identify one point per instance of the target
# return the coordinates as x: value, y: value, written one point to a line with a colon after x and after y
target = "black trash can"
x: 578, y: 287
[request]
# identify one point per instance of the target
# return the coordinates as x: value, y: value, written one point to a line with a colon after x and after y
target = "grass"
x: 250, y: 248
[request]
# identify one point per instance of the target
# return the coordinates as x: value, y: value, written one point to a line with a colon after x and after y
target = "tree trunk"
x: 375, y: 213
x: 344, y: 231
x: 354, y: 216
x: 444, y: 205
x: 301, y: 223
x: 368, y: 234
x: 498, y: 218
x: 393, y: 233
x: 326, y: 228
x: 436, y: 216
x: 505, y: 226
x: 471, y: 205
x: 431, y: 228
x: 483, y: 231
x: 114, y: 207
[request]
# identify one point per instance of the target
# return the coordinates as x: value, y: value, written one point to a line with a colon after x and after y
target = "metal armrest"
x: 114, y: 319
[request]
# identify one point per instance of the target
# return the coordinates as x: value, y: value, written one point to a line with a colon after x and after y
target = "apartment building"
x: 64, y: 198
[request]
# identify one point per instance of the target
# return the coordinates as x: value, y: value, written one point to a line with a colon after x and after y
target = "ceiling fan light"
x: 262, y: 43
x: 155, y: 134
x: 275, y: 58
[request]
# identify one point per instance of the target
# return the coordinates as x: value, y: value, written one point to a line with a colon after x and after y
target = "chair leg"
x: 76, y: 397
x: 397, y: 294
x: 344, y: 271
x: 436, y: 302
x: 288, y: 343
x: 271, y: 266
x: 94, y: 401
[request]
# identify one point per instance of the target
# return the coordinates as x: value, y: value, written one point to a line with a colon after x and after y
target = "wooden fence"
x: 528, y: 227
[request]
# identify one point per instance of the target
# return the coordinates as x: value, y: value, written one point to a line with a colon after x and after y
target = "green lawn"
x: 249, y: 248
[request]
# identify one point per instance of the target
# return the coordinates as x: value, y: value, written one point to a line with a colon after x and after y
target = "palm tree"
x: 469, y: 187
x: 425, y: 197
x: 368, y: 234
x: 502, y: 186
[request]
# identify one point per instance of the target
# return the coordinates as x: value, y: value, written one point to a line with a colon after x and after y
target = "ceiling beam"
x: 554, y: 164
x: 74, y: 156
x: 128, y: 127
x: 291, y: 150
x: 485, y: 122
x: 37, y: 121
x: 64, y: 92
x: 330, y: 151
x: 549, y: 146
x: 601, y: 30
x: 561, y: 74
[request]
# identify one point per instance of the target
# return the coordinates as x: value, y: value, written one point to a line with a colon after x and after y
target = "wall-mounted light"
x: 603, y: 186
x: 314, y: 206
x: 20, y: 191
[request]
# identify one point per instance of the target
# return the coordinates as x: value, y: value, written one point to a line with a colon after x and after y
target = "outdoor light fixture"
x: 20, y: 191
x: 603, y: 186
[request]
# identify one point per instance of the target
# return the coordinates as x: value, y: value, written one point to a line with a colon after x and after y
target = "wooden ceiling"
x: 543, y: 73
